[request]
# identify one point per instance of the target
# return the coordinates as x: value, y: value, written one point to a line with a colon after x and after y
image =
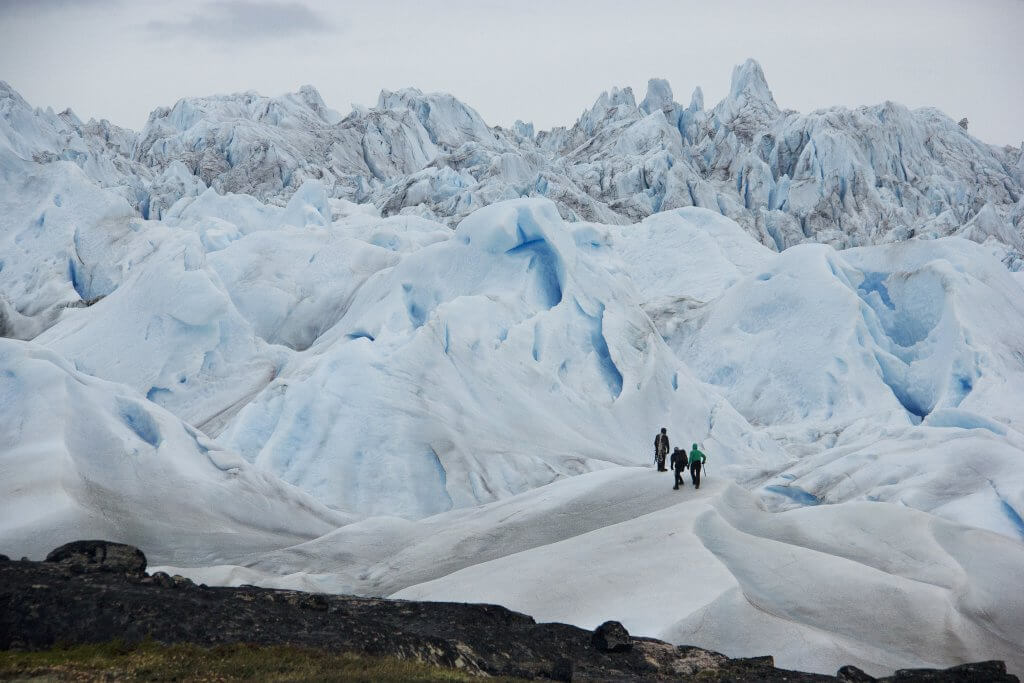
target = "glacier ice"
x: 505, y: 324
x: 402, y: 352
x: 810, y: 585
x: 847, y: 177
x: 87, y: 458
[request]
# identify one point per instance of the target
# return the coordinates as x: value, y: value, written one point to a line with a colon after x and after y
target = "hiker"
x: 678, y: 465
x: 697, y: 460
x: 661, y: 449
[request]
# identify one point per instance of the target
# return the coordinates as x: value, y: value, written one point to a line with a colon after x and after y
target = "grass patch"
x: 151, y: 661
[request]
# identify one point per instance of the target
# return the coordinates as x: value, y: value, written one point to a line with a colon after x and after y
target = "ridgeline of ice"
x: 847, y: 177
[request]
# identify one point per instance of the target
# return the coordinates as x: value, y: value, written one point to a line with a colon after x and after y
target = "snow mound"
x: 942, y: 597
x: 63, y: 242
x: 898, y: 333
x: 172, y: 333
x: 813, y: 586
x: 86, y: 458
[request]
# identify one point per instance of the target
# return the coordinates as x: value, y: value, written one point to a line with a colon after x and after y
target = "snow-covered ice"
x: 86, y: 458
x: 811, y: 585
x: 401, y: 352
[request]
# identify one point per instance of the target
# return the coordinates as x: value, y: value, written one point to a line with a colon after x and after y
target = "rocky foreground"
x: 96, y: 591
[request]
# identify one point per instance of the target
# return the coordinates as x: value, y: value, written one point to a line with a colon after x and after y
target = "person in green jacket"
x: 697, y: 460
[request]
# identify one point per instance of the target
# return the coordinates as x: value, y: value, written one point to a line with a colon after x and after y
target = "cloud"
x: 244, y: 20
x: 40, y: 6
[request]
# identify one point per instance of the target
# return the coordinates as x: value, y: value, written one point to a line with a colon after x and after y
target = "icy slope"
x: 487, y: 364
x: 390, y: 365
x: 63, y: 242
x: 86, y: 458
x: 171, y: 333
x: 817, y: 587
x: 294, y: 335
x: 901, y: 332
x: 382, y: 555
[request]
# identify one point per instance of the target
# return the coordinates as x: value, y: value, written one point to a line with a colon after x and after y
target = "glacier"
x: 401, y: 352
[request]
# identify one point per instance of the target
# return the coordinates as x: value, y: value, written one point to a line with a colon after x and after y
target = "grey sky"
x: 231, y: 21
x: 543, y: 61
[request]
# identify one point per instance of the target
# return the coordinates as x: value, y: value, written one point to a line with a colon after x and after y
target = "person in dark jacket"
x: 697, y: 460
x: 678, y: 465
x: 661, y: 449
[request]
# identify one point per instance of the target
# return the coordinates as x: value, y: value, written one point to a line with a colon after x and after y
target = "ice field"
x: 403, y: 353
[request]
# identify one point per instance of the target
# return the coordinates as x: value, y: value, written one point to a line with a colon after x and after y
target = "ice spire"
x: 749, y: 104
x: 659, y: 95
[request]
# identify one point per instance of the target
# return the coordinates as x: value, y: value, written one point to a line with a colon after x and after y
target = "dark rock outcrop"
x: 611, y: 636
x: 99, y: 556
x: 95, y: 592
x: 975, y: 672
x: 851, y: 674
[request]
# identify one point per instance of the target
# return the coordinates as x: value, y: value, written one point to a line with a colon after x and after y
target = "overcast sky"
x: 542, y: 61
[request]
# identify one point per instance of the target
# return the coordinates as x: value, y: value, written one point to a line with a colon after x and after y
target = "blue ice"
x: 139, y: 421
x: 794, y: 493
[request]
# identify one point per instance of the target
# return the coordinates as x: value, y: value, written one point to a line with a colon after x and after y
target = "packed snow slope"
x: 405, y: 353
x: 463, y: 371
x: 85, y: 458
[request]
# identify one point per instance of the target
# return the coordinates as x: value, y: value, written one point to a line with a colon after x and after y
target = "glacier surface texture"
x: 402, y: 352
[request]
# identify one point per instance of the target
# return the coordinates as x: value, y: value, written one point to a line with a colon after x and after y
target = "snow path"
x: 869, y: 583
x: 382, y: 555
x: 633, y: 571
x: 874, y: 584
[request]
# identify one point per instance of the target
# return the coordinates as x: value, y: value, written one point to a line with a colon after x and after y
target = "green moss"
x: 149, y: 661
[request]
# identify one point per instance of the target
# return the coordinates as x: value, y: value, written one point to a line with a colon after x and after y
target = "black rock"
x: 563, y: 670
x: 763, y: 660
x: 611, y: 636
x: 101, y: 556
x: 975, y: 672
x: 851, y: 674
x: 4, y: 558
x: 94, y: 591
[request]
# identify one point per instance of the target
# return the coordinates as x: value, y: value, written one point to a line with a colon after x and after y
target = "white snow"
x: 811, y: 586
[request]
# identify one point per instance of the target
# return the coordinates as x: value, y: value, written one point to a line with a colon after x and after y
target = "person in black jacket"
x: 679, y: 461
x: 661, y: 449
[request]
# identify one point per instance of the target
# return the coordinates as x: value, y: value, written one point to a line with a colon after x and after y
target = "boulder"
x: 975, y: 672
x: 611, y: 636
x: 851, y: 674
x: 99, y: 556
